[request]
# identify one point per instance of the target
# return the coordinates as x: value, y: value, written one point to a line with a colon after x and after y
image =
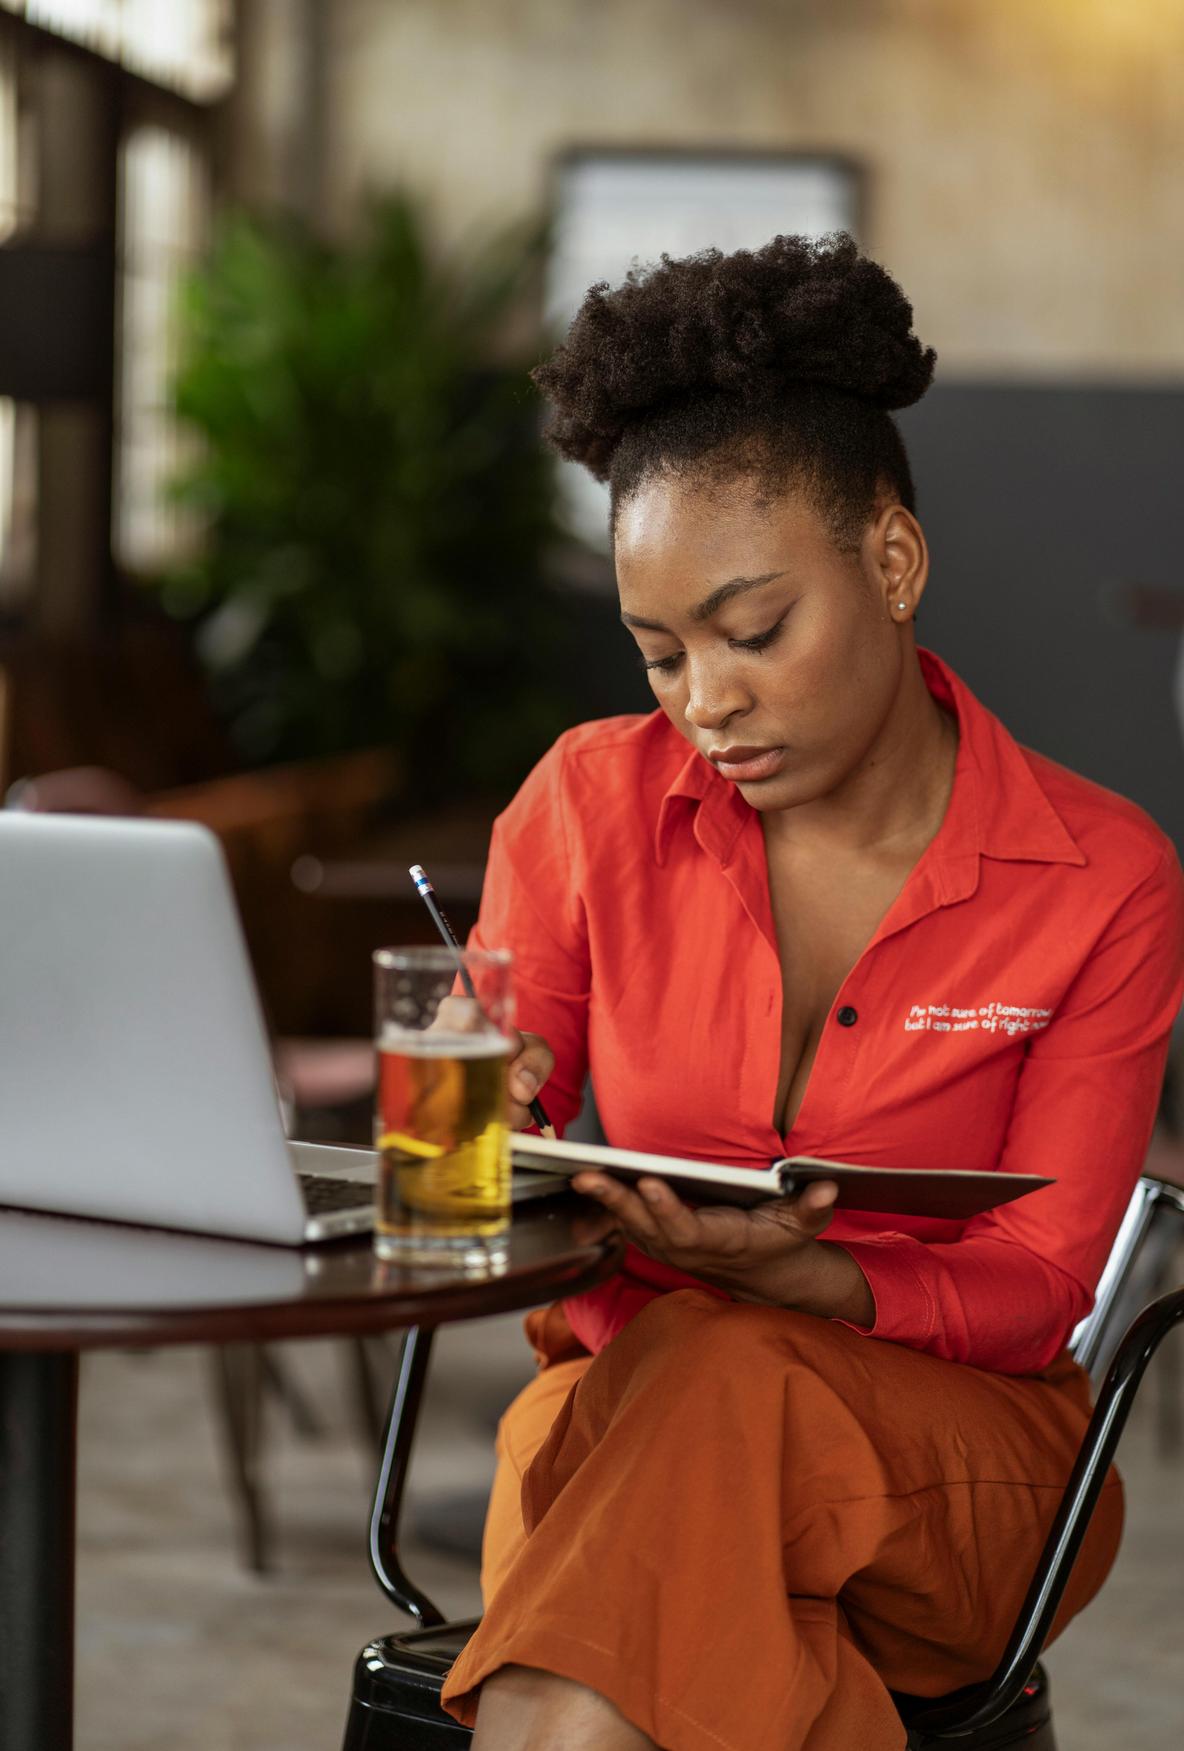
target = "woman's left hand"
x: 718, y: 1242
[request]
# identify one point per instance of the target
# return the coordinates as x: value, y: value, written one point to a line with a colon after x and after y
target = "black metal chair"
x: 398, y: 1678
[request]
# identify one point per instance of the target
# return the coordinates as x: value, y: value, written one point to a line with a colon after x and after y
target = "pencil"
x: 427, y: 894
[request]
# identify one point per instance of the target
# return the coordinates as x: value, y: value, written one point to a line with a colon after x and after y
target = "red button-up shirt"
x: 1012, y: 1011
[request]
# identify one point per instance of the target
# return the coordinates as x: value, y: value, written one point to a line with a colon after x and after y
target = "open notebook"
x: 954, y: 1193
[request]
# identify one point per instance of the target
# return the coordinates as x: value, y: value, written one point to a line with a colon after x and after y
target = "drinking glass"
x: 442, y: 1032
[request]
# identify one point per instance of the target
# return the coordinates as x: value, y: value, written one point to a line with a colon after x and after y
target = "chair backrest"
x: 265, y: 820
x: 1108, y: 1341
x: 75, y: 790
x: 132, y: 699
x: 1134, y: 1272
x: 1129, y: 1319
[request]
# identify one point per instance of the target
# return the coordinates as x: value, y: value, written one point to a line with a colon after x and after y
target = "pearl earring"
x: 902, y: 605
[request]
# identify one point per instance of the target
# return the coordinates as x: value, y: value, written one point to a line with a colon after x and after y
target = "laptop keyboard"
x: 324, y: 1194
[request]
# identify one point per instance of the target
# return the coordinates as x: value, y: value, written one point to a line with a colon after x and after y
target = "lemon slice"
x: 410, y: 1145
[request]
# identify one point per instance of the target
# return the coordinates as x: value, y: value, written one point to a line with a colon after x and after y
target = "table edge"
x: 266, y: 1322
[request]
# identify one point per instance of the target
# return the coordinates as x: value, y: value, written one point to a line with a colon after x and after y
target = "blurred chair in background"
x: 265, y: 822
x: 131, y: 701
x: 313, y: 972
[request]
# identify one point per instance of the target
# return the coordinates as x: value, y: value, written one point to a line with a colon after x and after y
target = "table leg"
x: 239, y: 1371
x: 38, y: 1446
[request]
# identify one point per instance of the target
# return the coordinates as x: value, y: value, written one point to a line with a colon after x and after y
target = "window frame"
x: 130, y: 100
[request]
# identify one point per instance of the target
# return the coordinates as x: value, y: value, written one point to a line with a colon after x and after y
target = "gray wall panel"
x: 1034, y: 501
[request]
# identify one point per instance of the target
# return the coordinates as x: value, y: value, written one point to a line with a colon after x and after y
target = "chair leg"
x: 392, y: 1475
x: 1169, y: 1423
x: 238, y: 1381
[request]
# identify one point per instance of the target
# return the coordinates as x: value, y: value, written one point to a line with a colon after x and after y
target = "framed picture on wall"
x: 614, y: 208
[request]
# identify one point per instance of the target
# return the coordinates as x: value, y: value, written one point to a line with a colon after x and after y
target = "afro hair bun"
x: 748, y: 327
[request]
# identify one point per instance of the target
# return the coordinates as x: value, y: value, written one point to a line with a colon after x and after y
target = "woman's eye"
x: 761, y: 642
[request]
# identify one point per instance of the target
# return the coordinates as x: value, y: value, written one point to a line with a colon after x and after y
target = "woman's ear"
x: 897, y: 559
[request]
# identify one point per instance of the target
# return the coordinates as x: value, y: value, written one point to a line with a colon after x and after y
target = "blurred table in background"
x: 329, y: 1082
x: 373, y: 902
x: 452, y: 844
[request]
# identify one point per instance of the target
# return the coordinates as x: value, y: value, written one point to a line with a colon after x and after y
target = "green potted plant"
x: 378, y: 507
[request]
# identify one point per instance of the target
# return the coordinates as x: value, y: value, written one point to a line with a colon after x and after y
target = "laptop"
x: 136, y: 1081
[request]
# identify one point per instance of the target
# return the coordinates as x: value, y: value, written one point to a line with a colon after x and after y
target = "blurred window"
x: 162, y: 226
x: 18, y: 504
x: 614, y: 208
x: 8, y: 140
x: 18, y: 432
x: 183, y: 45
x: 158, y: 66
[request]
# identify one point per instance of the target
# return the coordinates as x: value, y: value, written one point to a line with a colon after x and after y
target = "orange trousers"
x: 745, y: 1525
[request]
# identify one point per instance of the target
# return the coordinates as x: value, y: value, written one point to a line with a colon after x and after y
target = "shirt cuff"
x: 905, y: 1309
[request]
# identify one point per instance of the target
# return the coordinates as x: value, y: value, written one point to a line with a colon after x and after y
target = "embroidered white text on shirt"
x: 988, y: 1018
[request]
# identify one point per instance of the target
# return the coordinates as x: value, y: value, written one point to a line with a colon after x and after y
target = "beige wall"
x: 1025, y: 155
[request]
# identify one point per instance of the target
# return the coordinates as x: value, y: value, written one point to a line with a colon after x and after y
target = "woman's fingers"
x: 651, y: 1213
x: 814, y: 1206
x: 456, y: 1014
x: 804, y: 1216
x: 531, y: 1062
x: 619, y: 1198
x: 716, y: 1236
x: 677, y: 1223
x: 589, y: 1227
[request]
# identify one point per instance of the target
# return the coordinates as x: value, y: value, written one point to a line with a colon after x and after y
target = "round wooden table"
x: 67, y: 1285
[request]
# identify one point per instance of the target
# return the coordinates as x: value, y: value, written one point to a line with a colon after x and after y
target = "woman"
x: 819, y: 902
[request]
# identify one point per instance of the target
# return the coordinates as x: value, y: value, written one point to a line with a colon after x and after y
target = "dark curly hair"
x: 779, y: 363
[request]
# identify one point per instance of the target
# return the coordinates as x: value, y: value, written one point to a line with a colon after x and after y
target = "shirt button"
x: 847, y: 1017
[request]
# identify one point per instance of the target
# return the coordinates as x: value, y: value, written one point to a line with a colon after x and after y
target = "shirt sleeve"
x: 1007, y: 1294
x: 530, y: 904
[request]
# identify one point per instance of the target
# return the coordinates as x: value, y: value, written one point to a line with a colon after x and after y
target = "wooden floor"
x: 179, y: 1649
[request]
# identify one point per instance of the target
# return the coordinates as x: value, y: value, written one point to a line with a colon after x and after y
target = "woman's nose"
x: 713, y: 696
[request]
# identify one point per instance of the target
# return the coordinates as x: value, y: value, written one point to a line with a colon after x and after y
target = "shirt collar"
x: 997, y: 807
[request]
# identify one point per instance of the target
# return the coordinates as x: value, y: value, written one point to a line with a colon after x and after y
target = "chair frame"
x: 393, y: 1467
x: 980, y: 1705
x: 1121, y: 1363
x: 1132, y: 1274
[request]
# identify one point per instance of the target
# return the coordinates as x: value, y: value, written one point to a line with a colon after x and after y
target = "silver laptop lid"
x: 135, y: 1075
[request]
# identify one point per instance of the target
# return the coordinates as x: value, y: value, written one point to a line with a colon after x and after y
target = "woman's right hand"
x: 531, y: 1062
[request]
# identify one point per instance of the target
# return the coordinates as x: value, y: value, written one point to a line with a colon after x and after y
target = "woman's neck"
x: 894, y: 802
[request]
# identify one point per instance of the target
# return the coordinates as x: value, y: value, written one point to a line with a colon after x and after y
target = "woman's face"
x: 776, y: 654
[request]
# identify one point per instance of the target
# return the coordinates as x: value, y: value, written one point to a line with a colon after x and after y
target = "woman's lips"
x: 745, y: 767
